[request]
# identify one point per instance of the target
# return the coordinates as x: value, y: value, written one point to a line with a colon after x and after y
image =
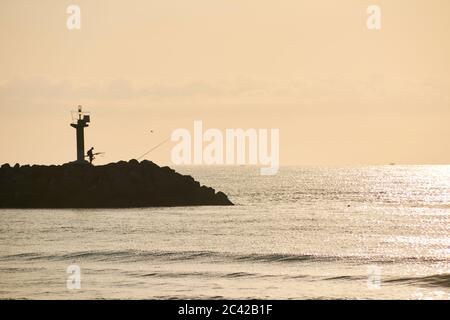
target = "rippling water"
x: 307, y: 233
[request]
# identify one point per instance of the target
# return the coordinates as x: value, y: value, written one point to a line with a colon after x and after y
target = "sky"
x: 339, y: 93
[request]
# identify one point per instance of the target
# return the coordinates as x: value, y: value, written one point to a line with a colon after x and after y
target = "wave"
x: 438, y: 280
x: 205, y: 274
x: 129, y: 256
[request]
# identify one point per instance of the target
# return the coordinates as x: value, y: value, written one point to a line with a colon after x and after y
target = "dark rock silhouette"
x: 115, y: 185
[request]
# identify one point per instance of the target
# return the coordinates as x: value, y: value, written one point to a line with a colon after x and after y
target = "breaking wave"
x: 130, y: 256
x: 440, y: 280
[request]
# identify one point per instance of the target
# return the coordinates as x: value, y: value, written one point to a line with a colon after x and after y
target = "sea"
x: 360, y: 232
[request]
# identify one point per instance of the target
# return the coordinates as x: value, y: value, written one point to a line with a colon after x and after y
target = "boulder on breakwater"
x: 115, y: 185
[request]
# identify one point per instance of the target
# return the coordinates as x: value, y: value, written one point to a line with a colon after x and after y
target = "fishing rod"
x: 95, y: 154
x: 153, y: 148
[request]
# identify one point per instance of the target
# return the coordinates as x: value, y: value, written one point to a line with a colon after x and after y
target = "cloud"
x: 121, y: 89
x: 375, y: 93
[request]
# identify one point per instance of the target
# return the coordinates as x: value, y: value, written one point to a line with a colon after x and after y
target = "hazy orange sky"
x: 339, y: 93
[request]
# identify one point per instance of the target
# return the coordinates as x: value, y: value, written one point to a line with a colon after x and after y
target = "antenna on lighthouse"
x: 80, y: 120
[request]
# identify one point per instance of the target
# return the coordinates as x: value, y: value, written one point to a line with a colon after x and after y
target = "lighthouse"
x: 80, y: 120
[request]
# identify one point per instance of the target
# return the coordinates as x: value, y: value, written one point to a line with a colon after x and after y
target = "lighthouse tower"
x: 80, y: 120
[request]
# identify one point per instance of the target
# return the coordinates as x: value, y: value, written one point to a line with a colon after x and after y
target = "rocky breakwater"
x: 115, y: 185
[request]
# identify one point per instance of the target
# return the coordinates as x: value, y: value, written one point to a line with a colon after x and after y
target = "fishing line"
x: 153, y: 148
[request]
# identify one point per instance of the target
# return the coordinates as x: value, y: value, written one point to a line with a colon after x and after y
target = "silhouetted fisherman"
x: 90, y: 154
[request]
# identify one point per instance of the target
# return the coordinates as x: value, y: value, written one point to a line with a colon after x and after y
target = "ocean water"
x: 379, y: 232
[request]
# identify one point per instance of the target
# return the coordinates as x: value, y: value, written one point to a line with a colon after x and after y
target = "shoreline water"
x: 291, y: 237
